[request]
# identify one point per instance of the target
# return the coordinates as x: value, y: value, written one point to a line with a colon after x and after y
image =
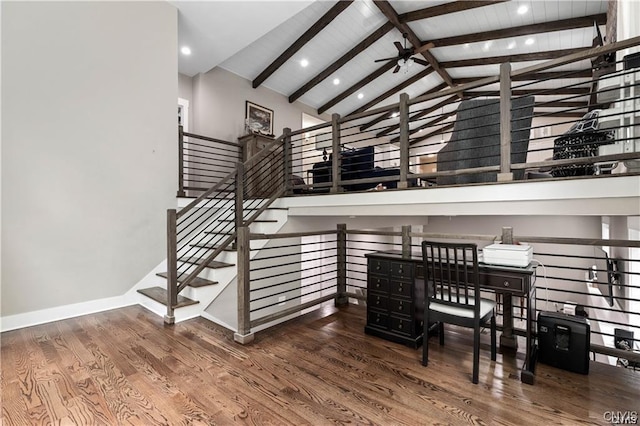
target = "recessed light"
x: 523, y: 9
x: 529, y: 41
x: 466, y: 45
x: 304, y: 63
x: 185, y: 50
x: 395, y: 114
x: 360, y: 95
x: 336, y: 81
x: 512, y: 45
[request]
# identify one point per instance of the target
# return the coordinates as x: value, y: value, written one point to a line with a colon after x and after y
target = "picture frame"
x: 258, y: 119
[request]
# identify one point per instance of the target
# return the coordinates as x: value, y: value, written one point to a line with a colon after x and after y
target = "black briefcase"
x: 563, y: 341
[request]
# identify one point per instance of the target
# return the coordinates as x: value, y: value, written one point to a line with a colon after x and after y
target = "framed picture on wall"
x: 259, y: 119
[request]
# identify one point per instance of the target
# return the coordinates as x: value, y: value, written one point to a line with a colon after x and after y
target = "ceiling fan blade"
x: 421, y: 61
x: 386, y: 59
x: 396, y: 69
x: 398, y: 46
x: 423, y: 48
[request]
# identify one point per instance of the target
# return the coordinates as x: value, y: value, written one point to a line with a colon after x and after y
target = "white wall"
x: 218, y: 106
x: 89, y: 95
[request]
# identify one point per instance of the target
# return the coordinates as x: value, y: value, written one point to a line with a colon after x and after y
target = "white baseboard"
x: 28, y: 319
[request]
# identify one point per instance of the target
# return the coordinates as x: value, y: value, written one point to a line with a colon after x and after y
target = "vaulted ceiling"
x: 325, y: 55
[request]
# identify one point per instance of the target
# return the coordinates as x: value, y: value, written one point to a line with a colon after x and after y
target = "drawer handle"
x: 377, y: 267
x: 506, y: 284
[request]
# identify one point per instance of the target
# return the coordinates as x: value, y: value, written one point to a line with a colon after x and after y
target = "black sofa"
x: 357, y: 163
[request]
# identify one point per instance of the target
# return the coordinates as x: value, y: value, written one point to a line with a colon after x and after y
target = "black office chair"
x: 453, y: 296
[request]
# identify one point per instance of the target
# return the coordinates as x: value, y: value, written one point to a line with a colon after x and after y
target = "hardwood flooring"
x: 125, y: 367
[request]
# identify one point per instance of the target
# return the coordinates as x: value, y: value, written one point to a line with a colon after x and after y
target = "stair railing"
x: 202, y: 230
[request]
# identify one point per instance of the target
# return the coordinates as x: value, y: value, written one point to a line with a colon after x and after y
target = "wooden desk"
x: 395, y: 300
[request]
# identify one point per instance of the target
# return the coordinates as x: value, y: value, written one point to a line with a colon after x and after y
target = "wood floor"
x: 125, y: 367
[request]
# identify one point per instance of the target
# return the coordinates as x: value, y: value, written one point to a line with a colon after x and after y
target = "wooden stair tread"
x: 196, y: 282
x: 214, y: 264
x: 255, y: 221
x: 159, y: 294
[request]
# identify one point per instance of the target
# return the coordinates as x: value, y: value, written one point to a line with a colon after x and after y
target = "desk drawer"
x: 378, y: 283
x: 377, y: 301
x: 401, y: 325
x: 401, y: 270
x: 377, y: 266
x: 400, y: 288
x: 377, y: 319
x: 503, y: 282
x: 400, y: 306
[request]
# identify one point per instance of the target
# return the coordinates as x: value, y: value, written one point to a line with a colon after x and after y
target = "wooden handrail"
x: 206, y: 138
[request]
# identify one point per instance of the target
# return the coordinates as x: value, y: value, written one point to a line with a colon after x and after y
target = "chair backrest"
x: 451, y: 271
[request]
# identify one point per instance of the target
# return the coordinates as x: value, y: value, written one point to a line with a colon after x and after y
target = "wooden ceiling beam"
x: 383, y: 117
x: 540, y: 92
x: 368, y: 79
x: 444, y: 9
x: 392, y: 16
x: 394, y: 90
x: 541, y: 76
x: 318, y: 26
x: 544, y: 27
x: 360, y: 47
x: 446, y: 127
x: 538, y: 56
x: 420, y: 114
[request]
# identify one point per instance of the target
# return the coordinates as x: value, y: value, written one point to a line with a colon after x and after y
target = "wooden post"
x: 406, y: 241
x: 404, y: 140
x: 286, y: 160
x: 507, y: 339
x: 180, y: 162
x: 244, y: 334
x: 172, y: 266
x: 341, y: 272
x: 239, y: 196
x: 336, y: 157
x: 505, y: 123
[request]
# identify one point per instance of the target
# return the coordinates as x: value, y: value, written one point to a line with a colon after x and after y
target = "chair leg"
x: 476, y: 353
x: 493, y: 336
x: 441, y: 333
x: 425, y: 338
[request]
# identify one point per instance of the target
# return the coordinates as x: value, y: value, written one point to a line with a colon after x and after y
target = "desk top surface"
x: 416, y: 257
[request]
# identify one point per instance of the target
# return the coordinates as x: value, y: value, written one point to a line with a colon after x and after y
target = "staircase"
x: 201, y: 257
x: 216, y: 276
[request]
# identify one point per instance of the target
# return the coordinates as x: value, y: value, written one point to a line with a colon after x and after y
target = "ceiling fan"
x: 405, y: 55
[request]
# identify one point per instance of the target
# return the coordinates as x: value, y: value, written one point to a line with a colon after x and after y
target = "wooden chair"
x: 453, y: 295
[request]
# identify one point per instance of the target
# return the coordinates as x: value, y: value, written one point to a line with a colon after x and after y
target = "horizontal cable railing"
x: 202, y: 230
x: 203, y: 162
x: 597, y: 278
x: 575, y: 116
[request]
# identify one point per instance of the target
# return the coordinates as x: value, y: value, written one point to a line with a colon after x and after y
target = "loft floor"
x: 125, y: 366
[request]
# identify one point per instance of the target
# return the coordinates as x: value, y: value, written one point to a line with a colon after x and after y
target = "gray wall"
x: 89, y: 95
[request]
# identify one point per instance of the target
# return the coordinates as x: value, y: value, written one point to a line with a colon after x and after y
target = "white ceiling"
x: 245, y: 37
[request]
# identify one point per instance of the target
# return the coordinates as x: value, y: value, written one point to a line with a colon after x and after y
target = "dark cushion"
x: 578, y: 145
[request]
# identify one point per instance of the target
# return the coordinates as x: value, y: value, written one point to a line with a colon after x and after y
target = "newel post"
x: 505, y: 173
x: 341, y: 272
x: 404, y: 140
x: 180, y: 162
x: 286, y: 160
x: 336, y: 162
x: 244, y: 334
x: 172, y: 266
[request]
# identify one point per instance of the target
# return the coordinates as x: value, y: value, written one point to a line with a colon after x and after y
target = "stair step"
x: 214, y: 264
x: 159, y: 294
x: 255, y: 221
x: 213, y: 246
x: 196, y: 282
